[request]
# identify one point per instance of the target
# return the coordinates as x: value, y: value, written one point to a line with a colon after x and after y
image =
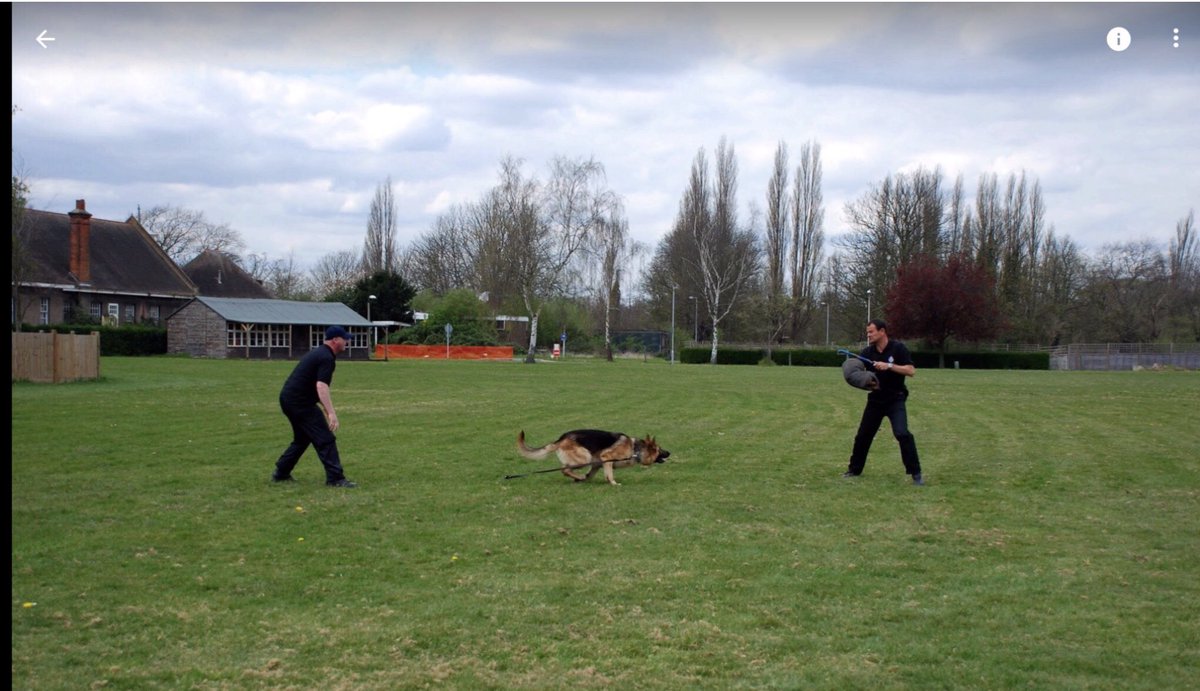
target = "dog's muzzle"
x: 663, y: 455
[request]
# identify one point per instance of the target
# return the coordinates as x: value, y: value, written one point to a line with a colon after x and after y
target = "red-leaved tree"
x: 938, y: 301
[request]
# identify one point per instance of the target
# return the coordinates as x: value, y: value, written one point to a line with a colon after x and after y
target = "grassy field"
x: 1057, y: 544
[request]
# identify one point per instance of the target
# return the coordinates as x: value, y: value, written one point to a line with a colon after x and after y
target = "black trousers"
x: 877, y: 409
x: 309, y: 427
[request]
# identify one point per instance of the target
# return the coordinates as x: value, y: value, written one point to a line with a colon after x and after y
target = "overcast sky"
x: 282, y: 119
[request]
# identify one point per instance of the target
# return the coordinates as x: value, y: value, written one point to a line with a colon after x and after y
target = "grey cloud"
x: 270, y: 96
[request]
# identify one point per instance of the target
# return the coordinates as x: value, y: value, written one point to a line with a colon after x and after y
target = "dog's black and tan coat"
x: 595, y: 449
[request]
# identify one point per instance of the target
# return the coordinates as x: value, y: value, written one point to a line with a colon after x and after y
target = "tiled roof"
x: 124, y: 258
x: 217, y: 275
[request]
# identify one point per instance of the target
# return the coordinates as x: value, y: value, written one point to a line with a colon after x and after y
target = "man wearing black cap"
x: 307, y: 386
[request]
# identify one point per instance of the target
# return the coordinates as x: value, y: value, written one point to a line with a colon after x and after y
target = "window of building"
x: 44, y: 313
x: 281, y: 337
x: 359, y: 337
x: 235, y: 335
x: 130, y: 314
x: 114, y: 311
x: 154, y: 316
x: 94, y: 310
x: 258, y: 336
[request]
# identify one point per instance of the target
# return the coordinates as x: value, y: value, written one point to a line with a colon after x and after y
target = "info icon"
x: 1119, y: 38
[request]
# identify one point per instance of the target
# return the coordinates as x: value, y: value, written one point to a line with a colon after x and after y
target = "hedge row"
x: 829, y: 358
x: 122, y: 340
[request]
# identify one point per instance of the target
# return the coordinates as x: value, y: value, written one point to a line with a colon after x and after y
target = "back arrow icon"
x: 42, y: 38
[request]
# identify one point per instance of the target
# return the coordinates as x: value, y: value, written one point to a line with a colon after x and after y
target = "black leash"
x: 568, y: 467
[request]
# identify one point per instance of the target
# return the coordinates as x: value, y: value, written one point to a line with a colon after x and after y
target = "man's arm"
x: 906, y: 370
x: 327, y: 403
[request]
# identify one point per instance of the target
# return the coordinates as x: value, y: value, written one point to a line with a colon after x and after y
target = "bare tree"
x: 525, y: 242
x: 673, y: 265
x: 1126, y: 294
x: 336, y: 272
x: 21, y: 261
x: 379, y: 248
x: 895, y: 222
x: 1017, y: 258
x: 515, y: 241
x: 175, y: 229
x: 1183, y: 254
x: 775, y: 246
x: 1060, y: 277
x: 258, y: 265
x: 613, y: 248
x: 1184, y: 265
x: 1007, y: 235
x: 986, y: 226
x: 220, y: 237
x: 184, y: 233
x: 287, y: 282
x: 726, y: 255
x: 447, y: 256
x: 956, y: 240
x: 808, y: 235
x: 546, y: 227
x: 281, y: 276
x: 775, y: 238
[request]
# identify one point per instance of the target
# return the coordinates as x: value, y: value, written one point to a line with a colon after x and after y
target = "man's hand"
x: 332, y: 421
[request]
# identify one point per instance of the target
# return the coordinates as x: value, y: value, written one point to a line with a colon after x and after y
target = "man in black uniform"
x: 892, y: 364
x: 307, y: 386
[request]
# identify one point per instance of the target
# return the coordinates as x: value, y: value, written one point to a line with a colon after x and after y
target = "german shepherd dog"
x: 584, y: 448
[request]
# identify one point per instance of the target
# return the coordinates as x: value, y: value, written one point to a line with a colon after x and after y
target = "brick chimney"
x: 81, y: 242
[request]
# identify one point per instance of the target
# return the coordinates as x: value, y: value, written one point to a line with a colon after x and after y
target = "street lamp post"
x: 374, y: 334
x: 695, y: 318
x: 868, y: 304
x: 827, y: 323
x: 673, y: 324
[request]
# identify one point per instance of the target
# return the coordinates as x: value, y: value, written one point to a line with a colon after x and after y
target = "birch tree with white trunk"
x: 726, y: 259
x: 545, y: 227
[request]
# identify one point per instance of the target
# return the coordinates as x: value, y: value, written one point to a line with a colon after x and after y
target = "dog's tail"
x: 534, y: 454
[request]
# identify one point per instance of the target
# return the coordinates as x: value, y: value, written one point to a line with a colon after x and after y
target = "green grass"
x: 1056, y: 545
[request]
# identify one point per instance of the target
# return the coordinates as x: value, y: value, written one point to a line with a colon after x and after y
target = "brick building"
x: 72, y: 268
x: 261, y: 329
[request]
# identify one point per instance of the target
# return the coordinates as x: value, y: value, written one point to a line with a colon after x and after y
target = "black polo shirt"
x: 890, y: 383
x: 300, y: 389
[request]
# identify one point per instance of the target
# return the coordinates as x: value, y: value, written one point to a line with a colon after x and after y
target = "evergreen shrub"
x: 116, y: 340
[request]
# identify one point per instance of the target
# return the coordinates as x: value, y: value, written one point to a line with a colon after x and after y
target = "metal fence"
x: 1125, y: 356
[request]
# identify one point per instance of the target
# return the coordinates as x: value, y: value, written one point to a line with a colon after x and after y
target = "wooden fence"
x: 54, y: 357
